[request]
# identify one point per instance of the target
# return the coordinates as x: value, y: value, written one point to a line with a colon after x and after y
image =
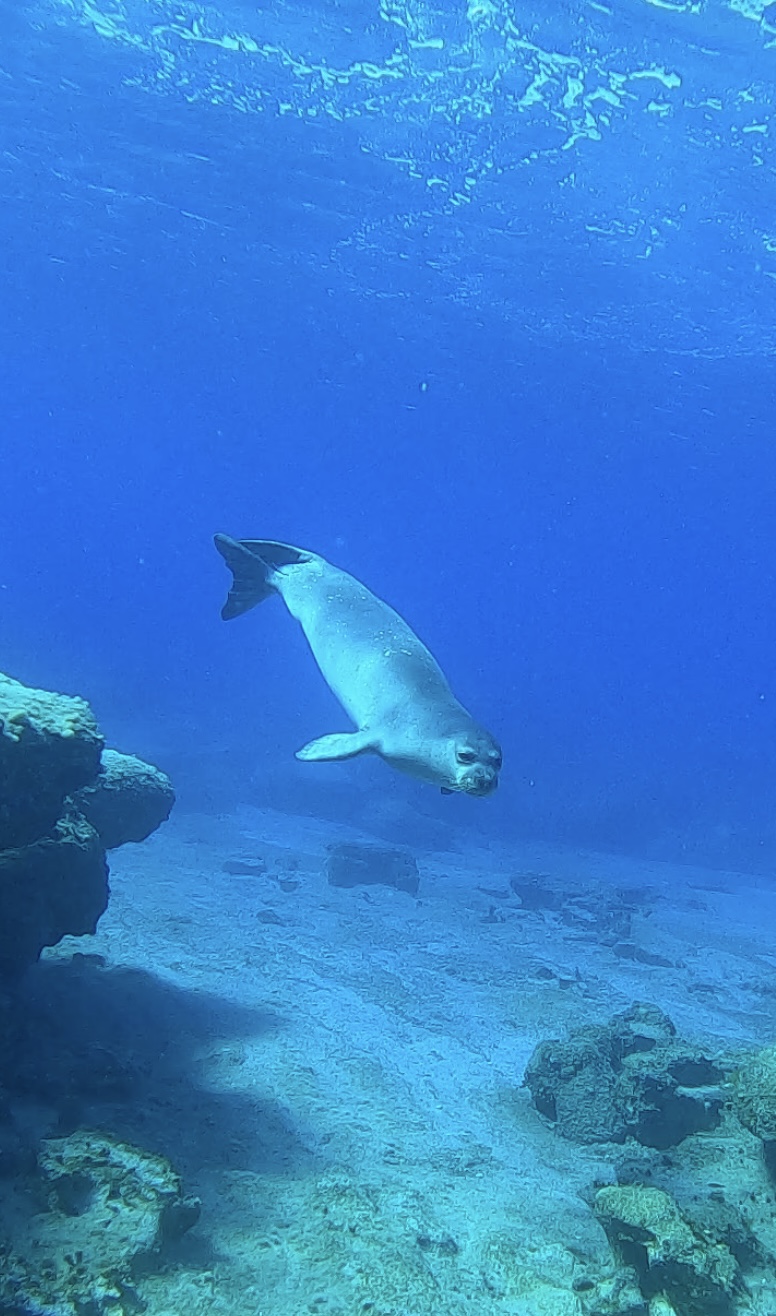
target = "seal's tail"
x: 252, y: 563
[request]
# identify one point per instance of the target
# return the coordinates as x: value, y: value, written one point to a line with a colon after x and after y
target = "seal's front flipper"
x: 328, y: 749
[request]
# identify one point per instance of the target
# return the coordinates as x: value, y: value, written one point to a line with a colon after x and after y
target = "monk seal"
x: 384, y: 677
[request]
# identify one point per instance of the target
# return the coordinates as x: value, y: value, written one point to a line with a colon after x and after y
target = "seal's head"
x: 477, y: 763
x: 464, y: 758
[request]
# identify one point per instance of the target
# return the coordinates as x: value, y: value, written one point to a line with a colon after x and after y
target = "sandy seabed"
x: 337, y: 1074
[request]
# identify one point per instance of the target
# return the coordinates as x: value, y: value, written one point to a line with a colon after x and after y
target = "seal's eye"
x: 465, y: 755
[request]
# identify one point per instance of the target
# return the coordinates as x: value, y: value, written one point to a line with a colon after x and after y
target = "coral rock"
x: 128, y: 800
x: 648, y: 1232
x: 629, y: 1078
x: 61, y: 807
x: 49, y: 747
x: 80, y: 1223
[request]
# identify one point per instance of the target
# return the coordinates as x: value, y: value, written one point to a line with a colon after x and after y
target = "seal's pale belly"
x: 366, y: 652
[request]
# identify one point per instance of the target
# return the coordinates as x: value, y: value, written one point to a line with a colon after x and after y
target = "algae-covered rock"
x: 649, y: 1233
x: 630, y: 1078
x: 49, y: 747
x: 573, y: 1085
x: 76, y: 1229
x: 127, y: 801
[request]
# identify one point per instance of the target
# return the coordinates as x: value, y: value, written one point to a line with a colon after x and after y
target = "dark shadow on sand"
x: 126, y: 1053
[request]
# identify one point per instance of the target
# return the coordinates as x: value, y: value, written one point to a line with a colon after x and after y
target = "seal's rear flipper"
x: 252, y: 562
x: 328, y: 749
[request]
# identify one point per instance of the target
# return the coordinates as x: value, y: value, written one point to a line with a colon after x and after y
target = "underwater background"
x: 477, y: 301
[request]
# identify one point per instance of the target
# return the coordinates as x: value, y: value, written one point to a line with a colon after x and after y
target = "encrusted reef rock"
x: 80, y: 1223
x: 754, y: 1100
x: 631, y: 1078
x: 64, y: 800
x: 358, y: 864
x: 127, y: 801
x: 555, y: 1279
x: 692, y: 1214
x: 647, y: 1231
x: 49, y: 747
x: 754, y: 1087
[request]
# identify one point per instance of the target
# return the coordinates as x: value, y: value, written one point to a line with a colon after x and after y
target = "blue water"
x: 479, y: 305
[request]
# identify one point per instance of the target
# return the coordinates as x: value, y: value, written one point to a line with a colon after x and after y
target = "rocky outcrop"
x: 754, y: 1093
x: 80, y: 1222
x: 630, y: 1078
x: 754, y: 1101
x: 352, y: 864
x: 698, y: 1275
x: 64, y: 800
x: 691, y: 1215
x: 50, y: 747
x: 127, y: 801
x: 54, y: 887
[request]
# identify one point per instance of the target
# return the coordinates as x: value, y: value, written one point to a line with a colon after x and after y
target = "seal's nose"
x: 482, y: 782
